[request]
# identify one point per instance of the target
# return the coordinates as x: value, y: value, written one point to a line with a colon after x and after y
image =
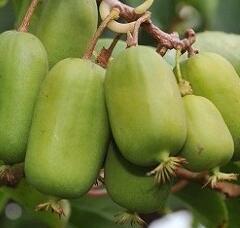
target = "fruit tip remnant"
x: 52, y: 205
x: 219, y: 176
x: 166, y: 169
x: 129, y: 217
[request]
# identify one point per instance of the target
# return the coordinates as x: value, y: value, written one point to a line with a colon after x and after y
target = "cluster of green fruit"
x: 150, y: 122
x: 58, y: 122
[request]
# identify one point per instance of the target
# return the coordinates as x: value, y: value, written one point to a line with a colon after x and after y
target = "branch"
x: 165, y: 41
x: 26, y: 20
x: 132, y: 38
x: 11, y: 175
x: 113, y: 14
x: 229, y: 189
x: 186, y: 174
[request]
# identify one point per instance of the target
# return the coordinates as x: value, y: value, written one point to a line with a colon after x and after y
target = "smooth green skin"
x: 145, y: 107
x: 128, y: 185
x: 23, y: 66
x: 70, y: 133
x: 224, y: 44
x: 209, y: 143
x: 213, y: 77
x: 66, y: 27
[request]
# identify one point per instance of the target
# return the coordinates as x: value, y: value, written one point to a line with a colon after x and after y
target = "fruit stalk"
x: 114, y: 14
x: 178, y: 70
x: 26, y: 20
x: 184, y: 86
x: 105, y: 54
x: 132, y: 38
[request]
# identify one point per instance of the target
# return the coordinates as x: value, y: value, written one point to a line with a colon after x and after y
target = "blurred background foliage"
x: 178, y: 15
x: 169, y: 15
x: 17, y: 205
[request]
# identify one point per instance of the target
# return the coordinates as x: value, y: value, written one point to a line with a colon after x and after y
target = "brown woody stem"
x: 229, y: 189
x: 114, y: 14
x: 26, y: 20
x: 12, y: 175
x: 133, y: 37
x: 165, y: 41
x: 105, y: 54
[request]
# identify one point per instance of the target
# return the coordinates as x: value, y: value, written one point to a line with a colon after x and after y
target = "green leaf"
x: 95, y: 212
x: 6, y: 17
x: 28, y: 197
x: 226, y: 17
x: 207, y: 206
x: 233, y: 206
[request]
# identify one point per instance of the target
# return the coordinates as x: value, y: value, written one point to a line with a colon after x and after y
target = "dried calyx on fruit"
x: 142, y: 194
x: 209, y: 143
x: 145, y: 110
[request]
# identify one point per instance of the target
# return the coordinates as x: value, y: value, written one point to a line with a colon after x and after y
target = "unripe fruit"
x: 213, y: 77
x: 209, y: 143
x: 128, y: 185
x: 224, y: 44
x: 145, y: 107
x: 23, y: 65
x: 69, y: 134
x: 66, y: 27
